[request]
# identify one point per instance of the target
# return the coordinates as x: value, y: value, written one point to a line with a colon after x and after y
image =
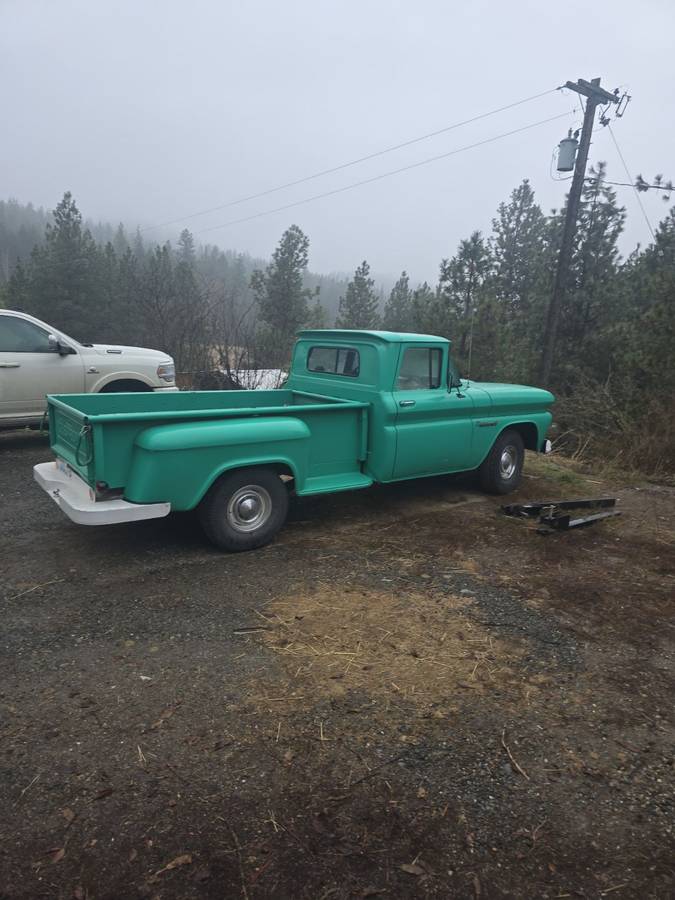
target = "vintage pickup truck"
x: 359, y: 407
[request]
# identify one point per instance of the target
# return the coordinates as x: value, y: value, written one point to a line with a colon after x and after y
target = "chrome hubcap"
x: 249, y: 508
x: 508, y: 462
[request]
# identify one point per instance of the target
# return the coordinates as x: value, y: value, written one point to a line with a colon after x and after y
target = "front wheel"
x: 502, y: 469
x: 244, y: 510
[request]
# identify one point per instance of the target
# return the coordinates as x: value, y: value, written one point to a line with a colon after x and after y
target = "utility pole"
x: 595, y: 96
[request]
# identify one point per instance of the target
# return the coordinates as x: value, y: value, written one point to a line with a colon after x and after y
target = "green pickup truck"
x: 359, y: 407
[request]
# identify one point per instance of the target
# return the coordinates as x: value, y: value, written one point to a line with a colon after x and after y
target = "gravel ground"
x: 406, y: 695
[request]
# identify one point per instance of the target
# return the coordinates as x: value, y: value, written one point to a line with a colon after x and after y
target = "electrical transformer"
x: 567, y: 153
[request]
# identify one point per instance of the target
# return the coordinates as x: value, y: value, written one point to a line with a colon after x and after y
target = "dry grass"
x: 419, y: 647
x: 558, y: 470
x: 605, y: 428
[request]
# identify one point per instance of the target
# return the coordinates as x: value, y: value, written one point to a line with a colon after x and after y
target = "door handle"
x: 406, y: 402
x: 10, y: 365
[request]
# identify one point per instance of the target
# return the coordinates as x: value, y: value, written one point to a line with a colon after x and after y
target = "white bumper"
x: 77, y: 501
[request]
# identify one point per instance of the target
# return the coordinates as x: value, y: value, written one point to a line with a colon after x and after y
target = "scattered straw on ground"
x: 417, y: 647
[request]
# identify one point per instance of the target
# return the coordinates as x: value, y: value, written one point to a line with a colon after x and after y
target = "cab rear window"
x: 334, y: 361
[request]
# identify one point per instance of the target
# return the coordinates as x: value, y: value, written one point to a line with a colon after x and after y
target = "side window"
x: 420, y: 369
x: 334, y: 361
x: 19, y: 336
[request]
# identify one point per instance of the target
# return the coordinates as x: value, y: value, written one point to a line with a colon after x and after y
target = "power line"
x: 630, y: 178
x: 353, y: 162
x: 416, y: 165
x: 657, y: 187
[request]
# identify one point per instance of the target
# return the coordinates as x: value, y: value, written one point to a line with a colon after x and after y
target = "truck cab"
x: 424, y: 419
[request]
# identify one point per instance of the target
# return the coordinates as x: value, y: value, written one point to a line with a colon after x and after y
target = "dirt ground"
x: 408, y: 694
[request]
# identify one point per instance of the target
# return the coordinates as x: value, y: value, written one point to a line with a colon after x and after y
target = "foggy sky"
x: 150, y: 111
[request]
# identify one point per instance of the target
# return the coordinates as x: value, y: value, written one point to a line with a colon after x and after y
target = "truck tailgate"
x: 71, y: 439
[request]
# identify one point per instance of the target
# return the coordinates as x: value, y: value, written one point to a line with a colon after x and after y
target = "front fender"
x: 180, y: 462
x: 532, y: 429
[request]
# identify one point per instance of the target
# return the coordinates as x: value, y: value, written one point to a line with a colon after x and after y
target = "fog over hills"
x: 150, y: 114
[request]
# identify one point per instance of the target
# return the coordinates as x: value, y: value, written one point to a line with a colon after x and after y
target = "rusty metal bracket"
x: 558, y: 515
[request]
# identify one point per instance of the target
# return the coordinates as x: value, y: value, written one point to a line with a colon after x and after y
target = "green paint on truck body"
x: 356, y: 409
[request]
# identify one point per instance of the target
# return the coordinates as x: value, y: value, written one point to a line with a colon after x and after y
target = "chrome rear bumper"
x: 77, y: 500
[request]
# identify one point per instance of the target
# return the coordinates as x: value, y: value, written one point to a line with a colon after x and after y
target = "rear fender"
x: 180, y: 462
x: 284, y: 465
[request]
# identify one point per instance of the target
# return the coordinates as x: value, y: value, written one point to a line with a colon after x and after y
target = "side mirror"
x: 453, y: 380
x: 57, y: 347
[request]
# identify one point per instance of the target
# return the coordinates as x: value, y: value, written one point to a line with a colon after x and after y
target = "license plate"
x: 63, y: 467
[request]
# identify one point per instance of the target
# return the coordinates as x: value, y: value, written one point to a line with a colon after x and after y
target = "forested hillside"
x: 22, y: 226
x: 613, y: 369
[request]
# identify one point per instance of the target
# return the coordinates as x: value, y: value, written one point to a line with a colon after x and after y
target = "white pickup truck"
x: 36, y: 359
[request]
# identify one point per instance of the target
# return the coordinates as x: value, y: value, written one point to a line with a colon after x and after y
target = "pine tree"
x: 489, y: 356
x: 21, y: 228
x: 191, y: 308
x: 127, y: 290
x: 279, y: 289
x: 460, y: 290
x: 156, y: 298
x: 17, y: 292
x: 317, y: 316
x: 120, y: 242
x: 590, y: 296
x: 107, y: 324
x: 63, y: 283
x: 521, y: 280
x: 359, y: 305
x: 425, y: 317
x: 138, y: 246
x: 186, y: 248
x: 518, y: 242
x: 398, y: 310
x: 642, y: 343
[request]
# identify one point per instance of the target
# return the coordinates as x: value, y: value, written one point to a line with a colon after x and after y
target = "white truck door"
x: 30, y: 368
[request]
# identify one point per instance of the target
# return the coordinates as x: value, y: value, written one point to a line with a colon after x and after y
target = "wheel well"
x: 124, y: 384
x: 283, y: 470
x: 527, y: 431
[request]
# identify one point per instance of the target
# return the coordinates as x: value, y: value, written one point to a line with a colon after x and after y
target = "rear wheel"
x: 244, y: 509
x: 502, y: 469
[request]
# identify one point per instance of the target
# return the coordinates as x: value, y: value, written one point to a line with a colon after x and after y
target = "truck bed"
x: 103, y: 437
x: 186, y: 404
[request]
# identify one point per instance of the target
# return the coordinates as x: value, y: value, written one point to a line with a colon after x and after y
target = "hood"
x: 117, y: 351
x: 503, y: 396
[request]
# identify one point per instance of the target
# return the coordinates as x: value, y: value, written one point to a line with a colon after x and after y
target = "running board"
x: 327, y: 484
